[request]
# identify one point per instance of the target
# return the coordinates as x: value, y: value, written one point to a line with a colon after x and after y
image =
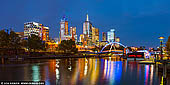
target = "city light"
x: 93, y: 42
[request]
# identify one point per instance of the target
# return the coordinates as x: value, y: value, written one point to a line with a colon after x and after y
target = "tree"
x: 4, y: 39
x: 35, y: 43
x: 24, y: 43
x: 11, y: 40
x: 14, y: 40
x: 168, y: 45
x: 68, y: 46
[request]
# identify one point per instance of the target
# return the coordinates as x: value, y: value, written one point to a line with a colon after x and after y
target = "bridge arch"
x: 112, y: 43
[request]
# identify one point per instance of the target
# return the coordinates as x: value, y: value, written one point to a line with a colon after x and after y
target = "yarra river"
x: 82, y: 71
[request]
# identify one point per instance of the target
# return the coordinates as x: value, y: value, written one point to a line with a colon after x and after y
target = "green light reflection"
x: 35, y: 73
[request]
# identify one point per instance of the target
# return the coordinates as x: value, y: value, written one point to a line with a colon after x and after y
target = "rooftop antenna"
x: 87, y: 16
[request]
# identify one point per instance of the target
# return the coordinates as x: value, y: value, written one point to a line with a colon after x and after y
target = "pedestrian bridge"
x: 113, y: 49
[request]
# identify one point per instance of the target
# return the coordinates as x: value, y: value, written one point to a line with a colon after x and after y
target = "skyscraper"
x: 104, y: 36
x: 87, y: 31
x: 111, y: 35
x: 73, y: 33
x: 63, y: 29
x: 44, y: 32
x: 95, y: 36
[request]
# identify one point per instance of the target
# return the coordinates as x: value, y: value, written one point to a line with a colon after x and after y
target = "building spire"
x: 87, y: 19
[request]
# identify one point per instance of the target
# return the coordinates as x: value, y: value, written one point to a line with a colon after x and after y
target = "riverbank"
x: 23, y: 57
x: 65, y: 56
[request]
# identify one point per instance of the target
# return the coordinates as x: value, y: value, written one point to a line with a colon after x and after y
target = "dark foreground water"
x: 86, y: 71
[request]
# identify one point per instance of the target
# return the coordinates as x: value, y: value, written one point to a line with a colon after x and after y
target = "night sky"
x: 137, y: 22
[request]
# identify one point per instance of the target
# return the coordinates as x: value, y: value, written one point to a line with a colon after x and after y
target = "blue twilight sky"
x: 137, y: 22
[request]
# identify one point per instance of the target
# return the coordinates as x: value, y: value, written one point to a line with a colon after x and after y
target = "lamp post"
x: 161, y: 45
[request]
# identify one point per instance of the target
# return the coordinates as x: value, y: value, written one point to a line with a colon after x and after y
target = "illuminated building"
x: 103, y: 43
x: 104, y: 36
x: 51, y: 45
x: 56, y: 40
x: 117, y: 39
x: 87, y: 31
x: 20, y: 34
x: 81, y: 38
x: 63, y: 29
x: 95, y: 36
x: 111, y: 35
x: 31, y: 28
x: 73, y: 33
x: 67, y: 37
x: 36, y: 29
x: 44, y: 33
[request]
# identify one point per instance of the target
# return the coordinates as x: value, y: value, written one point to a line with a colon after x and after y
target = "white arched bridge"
x: 112, y: 45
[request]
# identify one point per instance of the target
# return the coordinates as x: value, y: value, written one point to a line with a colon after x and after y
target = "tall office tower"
x: 44, y: 33
x: 36, y: 29
x: 63, y: 29
x: 111, y: 35
x: 73, y: 33
x: 87, y: 31
x: 104, y: 37
x: 95, y: 36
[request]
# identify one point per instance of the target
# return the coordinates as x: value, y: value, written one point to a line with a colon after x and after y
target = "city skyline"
x: 136, y: 23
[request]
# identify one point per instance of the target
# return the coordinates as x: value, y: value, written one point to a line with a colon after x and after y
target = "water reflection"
x: 57, y: 71
x: 85, y: 71
x: 146, y: 74
x: 35, y: 73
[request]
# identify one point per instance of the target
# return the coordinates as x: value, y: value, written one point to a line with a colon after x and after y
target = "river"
x: 81, y: 71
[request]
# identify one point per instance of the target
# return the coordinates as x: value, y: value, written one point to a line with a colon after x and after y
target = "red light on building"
x: 135, y: 56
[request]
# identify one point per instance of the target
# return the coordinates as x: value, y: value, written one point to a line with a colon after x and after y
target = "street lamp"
x: 161, y: 45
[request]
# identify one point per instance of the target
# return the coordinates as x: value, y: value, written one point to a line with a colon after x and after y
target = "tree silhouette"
x: 68, y: 46
x: 4, y: 39
x: 35, y: 43
x: 14, y: 40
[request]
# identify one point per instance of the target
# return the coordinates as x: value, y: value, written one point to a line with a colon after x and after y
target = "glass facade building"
x: 63, y: 29
x: 87, y: 31
x: 111, y: 35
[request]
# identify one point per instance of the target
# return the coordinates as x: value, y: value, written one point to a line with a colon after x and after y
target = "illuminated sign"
x: 136, y: 55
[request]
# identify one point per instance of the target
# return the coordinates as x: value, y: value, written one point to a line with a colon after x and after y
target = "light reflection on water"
x: 35, y: 73
x: 85, y: 71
